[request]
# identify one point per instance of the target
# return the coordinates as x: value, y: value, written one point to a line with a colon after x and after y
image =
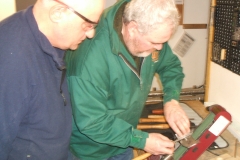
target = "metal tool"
x: 187, y: 139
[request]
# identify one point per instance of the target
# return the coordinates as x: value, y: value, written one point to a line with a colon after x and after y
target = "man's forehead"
x: 159, y: 35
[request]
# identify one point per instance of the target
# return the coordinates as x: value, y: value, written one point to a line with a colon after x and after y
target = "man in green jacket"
x: 110, y: 76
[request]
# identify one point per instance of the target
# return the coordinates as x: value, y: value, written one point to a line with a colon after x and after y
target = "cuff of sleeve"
x: 138, y: 139
x: 168, y: 97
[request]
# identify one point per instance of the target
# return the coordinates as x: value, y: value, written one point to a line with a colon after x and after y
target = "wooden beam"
x: 194, y: 26
x: 211, y: 31
x: 180, y: 8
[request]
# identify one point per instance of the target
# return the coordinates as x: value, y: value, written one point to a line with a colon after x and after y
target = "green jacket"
x: 108, y: 94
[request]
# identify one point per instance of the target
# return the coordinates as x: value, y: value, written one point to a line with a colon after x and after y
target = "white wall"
x: 196, y: 11
x: 194, y: 60
x: 7, y: 7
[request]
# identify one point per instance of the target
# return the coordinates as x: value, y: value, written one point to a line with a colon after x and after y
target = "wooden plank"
x: 211, y: 31
x: 194, y: 26
x: 180, y: 11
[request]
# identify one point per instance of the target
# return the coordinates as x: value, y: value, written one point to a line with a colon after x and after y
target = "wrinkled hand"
x: 176, y: 118
x: 157, y: 144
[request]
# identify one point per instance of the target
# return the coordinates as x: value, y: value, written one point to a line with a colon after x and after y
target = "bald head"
x: 89, y: 8
x: 66, y: 23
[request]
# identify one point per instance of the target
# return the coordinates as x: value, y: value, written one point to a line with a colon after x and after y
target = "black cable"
x: 213, y: 153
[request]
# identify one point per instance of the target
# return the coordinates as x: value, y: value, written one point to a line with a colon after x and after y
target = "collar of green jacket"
x: 115, y: 34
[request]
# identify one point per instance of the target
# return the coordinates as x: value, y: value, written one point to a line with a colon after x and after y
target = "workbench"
x: 227, y: 153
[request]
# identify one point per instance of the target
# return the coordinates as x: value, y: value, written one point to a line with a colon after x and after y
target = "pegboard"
x: 226, y: 45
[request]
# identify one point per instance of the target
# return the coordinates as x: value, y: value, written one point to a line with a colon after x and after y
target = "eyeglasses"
x: 92, y: 24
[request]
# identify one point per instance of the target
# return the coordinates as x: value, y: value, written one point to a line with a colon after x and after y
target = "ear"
x: 57, y: 13
x: 132, y: 28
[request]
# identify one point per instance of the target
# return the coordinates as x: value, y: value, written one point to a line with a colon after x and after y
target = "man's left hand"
x: 176, y: 118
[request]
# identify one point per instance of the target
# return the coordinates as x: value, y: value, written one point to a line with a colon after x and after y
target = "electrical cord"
x: 213, y: 153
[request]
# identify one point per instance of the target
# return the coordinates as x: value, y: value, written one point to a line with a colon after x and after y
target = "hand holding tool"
x: 186, y: 141
x: 168, y: 157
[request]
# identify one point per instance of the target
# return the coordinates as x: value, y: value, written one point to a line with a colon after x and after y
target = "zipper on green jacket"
x: 140, y: 72
x: 132, y: 68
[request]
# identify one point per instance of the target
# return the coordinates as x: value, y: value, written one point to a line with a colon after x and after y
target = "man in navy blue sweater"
x: 35, y: 111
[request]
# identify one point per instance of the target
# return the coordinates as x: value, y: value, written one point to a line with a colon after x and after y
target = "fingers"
x: 157, y: 144
x: 180, y: 125
x: 177, y: 118
x: 184, y: 126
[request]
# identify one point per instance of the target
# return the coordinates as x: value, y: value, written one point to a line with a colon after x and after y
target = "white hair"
x: 148, y: 14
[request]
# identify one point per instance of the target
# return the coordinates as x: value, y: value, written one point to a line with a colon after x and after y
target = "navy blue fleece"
x: 34, y: 123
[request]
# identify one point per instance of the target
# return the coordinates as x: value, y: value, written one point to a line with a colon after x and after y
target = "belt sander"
x: 193, y: 145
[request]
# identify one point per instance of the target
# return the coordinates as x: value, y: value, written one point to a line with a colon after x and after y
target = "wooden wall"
x: 22, y: 4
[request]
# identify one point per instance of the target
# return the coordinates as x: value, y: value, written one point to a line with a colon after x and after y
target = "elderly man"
x: 110, y: 77
x: 35, y: 111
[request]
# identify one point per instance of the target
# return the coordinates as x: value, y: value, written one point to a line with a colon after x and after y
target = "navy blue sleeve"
x: 13, y: 91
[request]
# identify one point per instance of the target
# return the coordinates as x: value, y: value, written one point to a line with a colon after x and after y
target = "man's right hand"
x: 158, y: 144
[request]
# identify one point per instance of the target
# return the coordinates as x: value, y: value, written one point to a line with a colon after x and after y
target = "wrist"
x: 138, y: 139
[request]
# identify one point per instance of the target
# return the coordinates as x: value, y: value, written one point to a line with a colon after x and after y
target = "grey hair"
x: 150, y: 13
